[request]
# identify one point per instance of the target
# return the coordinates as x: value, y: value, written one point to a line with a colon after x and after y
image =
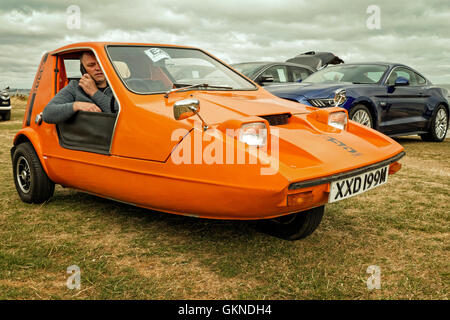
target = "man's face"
x: 93, y: 68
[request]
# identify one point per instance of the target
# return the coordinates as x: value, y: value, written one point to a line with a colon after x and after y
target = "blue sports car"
x: 389, y: 97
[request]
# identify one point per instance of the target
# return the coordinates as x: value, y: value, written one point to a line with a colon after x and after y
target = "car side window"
x: 420, y: 80
x: 72, y: 68
x: 279, y: 74
x: 298, y: 73
x: 402, y: 72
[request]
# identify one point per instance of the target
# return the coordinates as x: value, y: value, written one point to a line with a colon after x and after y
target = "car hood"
x: 308, y: 90
x: 307, y: 149
x: 221, y: 107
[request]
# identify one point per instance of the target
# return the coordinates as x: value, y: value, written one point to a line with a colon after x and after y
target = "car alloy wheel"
x: 32, y: 183
x: 23, y: 174
x: 363, y: 117
x: 440, y: 125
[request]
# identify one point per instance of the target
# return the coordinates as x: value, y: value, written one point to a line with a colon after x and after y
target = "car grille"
x: 277, y: 119
x: 321, y: 103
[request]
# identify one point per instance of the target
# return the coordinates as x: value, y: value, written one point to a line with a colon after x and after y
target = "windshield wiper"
x: 199, y: 85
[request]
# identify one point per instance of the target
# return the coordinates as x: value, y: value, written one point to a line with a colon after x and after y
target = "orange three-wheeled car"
x: 194, y: 137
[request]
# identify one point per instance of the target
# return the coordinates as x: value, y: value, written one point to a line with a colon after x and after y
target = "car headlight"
x: 5, y: 96
x: 339, y: 97
x: 253, y: 134
x: 338, y: 120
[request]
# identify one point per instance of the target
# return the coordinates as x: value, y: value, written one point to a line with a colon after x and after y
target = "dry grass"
x: 130, y: 253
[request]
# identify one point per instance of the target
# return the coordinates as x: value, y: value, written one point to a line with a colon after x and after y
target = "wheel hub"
x: 23, y: 174
x: 362, y: 117
x: 441, y: 123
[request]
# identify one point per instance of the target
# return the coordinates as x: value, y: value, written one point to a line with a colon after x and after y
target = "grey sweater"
x: 60, y: 108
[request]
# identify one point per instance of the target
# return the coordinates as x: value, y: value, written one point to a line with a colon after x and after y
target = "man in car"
x: 91, y: 93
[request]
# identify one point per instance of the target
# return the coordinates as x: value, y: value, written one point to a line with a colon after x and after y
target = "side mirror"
x: 401, y: 82
x: 185, y: 108
x: 264, y: 79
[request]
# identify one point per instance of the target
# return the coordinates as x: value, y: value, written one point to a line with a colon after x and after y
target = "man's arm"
x: 104, y: 101
x: 63, y: 105
x: 60, y: 108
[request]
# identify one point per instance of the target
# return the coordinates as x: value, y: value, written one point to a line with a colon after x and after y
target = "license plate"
x: 349, y: 187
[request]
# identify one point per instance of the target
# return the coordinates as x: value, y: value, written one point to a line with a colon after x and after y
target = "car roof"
x: 274, y: 63
x: 99, y: 44
x: 390, y: 64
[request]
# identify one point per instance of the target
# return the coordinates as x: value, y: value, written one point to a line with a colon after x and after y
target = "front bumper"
x: 343, y: 175
x: 5, y: 105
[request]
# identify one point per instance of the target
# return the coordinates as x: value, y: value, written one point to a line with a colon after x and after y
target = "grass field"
x: 126, y: 252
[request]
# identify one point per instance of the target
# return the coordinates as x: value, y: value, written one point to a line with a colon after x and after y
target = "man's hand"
x: 88, y: 84
x: 85, y: 106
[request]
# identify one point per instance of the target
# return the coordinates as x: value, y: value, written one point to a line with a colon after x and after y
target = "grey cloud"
x: 414, y: 33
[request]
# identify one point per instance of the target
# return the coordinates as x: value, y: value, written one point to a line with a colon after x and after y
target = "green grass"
x: 126, y: 252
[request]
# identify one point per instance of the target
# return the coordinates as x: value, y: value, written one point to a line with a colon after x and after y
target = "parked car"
x: 268, y: 73
x: 5, y: 104
x: 390, y: 97
x: 281, y: 162
x: 316, y: 60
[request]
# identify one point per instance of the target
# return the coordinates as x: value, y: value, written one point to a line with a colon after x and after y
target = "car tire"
x: 32, y: 183
x: 438, y: 126
x: 361, y: 114
x: 294, y: 226
x: 6, y: 116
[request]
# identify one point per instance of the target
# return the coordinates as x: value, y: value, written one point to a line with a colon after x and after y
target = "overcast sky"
x: 412, y: 32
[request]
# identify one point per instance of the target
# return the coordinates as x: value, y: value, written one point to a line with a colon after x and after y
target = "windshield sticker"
x: 156, y: 54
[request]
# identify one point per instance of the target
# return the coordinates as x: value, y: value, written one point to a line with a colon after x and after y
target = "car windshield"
x: 249, y: 68
x: 149, y: 69
x: 367, y: 74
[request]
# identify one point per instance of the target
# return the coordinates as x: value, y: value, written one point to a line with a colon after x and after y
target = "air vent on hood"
x: 277, y: 119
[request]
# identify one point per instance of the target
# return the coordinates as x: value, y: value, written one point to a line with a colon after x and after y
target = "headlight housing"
x: 338, y: 120
x: 4, y: 95
x: 339, y: 97
x: 253, y: 134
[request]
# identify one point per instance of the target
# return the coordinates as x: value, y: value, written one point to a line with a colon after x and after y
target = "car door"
x: 405, y: 104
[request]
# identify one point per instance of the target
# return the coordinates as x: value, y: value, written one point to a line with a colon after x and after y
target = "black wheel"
x: 438, y: 126
x: 361, y: 114
x: 6, y: 115
x: 294, y: 226
x: 32, y: 183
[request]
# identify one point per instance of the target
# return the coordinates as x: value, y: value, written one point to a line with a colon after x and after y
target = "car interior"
x: 142, y: 80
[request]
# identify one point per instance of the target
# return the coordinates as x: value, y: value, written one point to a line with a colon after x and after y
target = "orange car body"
x: 139, y: 167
